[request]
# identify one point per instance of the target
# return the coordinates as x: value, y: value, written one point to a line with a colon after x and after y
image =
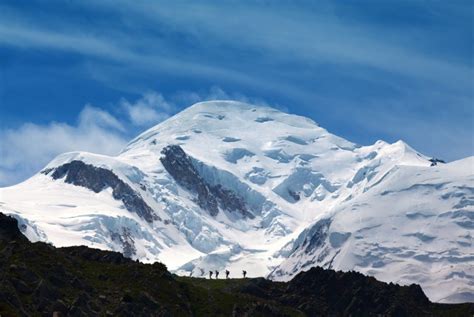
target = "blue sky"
x: 90, y: 75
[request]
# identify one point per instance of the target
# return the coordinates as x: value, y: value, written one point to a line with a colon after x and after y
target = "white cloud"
x: 152, y: 108
x: 30, y: 147
x: 91, y: 117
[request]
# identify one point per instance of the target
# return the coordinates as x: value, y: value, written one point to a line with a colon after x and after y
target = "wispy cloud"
x: 289, y: 33
x: 108, y: 47
x: 393, y: 70
x: 149, y: 109
x: 277, y: 34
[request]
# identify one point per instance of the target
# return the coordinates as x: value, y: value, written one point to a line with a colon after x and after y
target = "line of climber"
x: 227, y: 273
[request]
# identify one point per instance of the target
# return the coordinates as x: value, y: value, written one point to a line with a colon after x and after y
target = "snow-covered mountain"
x: 229, y: 185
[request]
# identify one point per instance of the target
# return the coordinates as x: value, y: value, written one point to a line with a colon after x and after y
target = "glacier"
x: 228, y: 185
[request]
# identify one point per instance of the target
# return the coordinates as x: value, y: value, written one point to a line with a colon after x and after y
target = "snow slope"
x: 238, y: 186
x: 416, y: 226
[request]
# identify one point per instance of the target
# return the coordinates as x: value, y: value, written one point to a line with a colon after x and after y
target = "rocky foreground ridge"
x: 39, y: 279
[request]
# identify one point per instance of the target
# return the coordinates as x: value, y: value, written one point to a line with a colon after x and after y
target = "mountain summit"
x: 225, y: 184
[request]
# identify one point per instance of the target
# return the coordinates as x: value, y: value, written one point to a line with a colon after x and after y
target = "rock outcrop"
x: 97, y: 179
x: 179, y: 165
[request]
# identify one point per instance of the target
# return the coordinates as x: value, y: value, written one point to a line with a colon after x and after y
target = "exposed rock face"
x: 434, y: 161
x: 294, y: 195
x: 9, y: 229
x: 125, y: 238
x: 310, y: 240
x: 317, y: 235
x: 209, y: 197
x: 97, y: 179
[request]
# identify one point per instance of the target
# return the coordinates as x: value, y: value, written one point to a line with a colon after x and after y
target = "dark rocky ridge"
x: 38, y: 279
x: 179, y: 165
x: 434, y: 161
x: 127, y: 242
x: 97, y: 179
x: 316, y: 235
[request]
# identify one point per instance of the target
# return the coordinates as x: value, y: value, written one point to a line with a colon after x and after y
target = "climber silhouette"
x: 227, y: 274
x: 217, y: 274
x: 210, y: 275
x: 244, y: 273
